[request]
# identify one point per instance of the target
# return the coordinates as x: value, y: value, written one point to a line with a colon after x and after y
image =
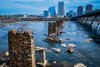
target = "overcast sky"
x: 38, y: 6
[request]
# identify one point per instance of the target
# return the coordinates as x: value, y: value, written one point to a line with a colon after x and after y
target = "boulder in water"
x: 80, y: 65
x: 63, y: 45
x: 72, y: 45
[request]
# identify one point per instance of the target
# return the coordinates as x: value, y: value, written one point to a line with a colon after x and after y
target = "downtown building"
x: 46, y: 13
x: 74, y: 14
x: 61, y: 8
x: 52, y: 11
x: 69, y: 14
x: 88, y: 8
x: 80, y: 11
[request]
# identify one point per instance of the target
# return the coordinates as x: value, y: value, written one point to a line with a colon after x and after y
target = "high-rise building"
x: 80, y: 11
x: 46, y: 13
x: 61, y: 8
x: 52, y: 11
x: 88, y: 8
x: 74, y: 14
x: 69, y: 14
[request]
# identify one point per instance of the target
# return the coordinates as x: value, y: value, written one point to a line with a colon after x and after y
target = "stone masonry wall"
x: 21, y: 49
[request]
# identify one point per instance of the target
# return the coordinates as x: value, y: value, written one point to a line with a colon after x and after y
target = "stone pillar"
x: 21, y: 49
x: 49, y: 28
x: 52, y: 28
x: 42, y: 58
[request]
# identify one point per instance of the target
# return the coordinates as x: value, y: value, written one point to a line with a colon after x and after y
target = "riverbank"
x: 32, y: 19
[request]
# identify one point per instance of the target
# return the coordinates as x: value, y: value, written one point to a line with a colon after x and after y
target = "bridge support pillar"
x: 52, y: 28
x: 42, y: 57
x: 21, y: 49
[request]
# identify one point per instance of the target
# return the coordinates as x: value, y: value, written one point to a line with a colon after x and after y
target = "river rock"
x: 67, y: 38
x: 60, y: 40
x: 70, y: 50
x: 72, y: 45
x: 54, y: 62
x: 80, y: 65
x: 63, y: 45
x: 56, y: 49
x: 89, y: 40
x: 6, y: 53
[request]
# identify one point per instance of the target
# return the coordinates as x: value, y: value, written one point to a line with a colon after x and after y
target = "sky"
x: 36, y: 7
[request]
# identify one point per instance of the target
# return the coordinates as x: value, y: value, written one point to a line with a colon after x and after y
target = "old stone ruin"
x: 54, y: 31
x: 21, y: 49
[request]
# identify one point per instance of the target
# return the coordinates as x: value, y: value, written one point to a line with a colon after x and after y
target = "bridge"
x: 91, y: 16
x: 91, y: 21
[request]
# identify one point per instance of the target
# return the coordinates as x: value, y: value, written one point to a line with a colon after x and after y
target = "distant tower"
x: 46, y: 13
x: 80, y: 11
x: 88, y: 8
x: 69, y: 14
x: 52, y: 11
x: 61, y: 8
x: 74, y: 14
x: 21, y: 49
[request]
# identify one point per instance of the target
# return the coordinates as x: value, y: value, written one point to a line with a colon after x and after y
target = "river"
x: 87, y: 53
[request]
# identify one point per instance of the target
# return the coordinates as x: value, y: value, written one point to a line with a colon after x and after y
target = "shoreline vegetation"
x: 13, y: 18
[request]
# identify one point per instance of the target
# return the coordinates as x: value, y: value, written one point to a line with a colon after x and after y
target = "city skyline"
x: 38, y: 6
